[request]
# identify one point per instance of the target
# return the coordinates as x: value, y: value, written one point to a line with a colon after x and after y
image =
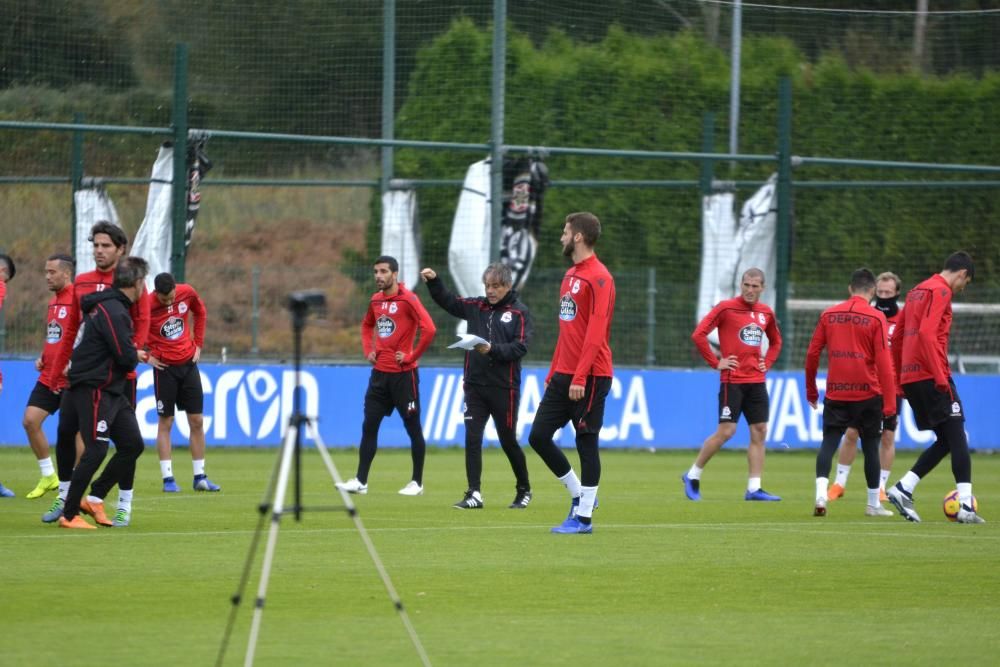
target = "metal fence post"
x: 179, y: 193
x: 782, y: 269
x: 496, y: 124
x: 388, y: 88
x: 255, y: 311
x: 651, y: 317
x: 76, y: 174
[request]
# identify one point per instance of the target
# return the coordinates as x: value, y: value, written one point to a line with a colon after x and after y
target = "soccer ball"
x: 952, y: 504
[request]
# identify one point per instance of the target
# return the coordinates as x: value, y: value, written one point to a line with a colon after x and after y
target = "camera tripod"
x: 273, y: 506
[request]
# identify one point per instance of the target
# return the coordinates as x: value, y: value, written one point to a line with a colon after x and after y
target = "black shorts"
x: 44, y: 398
x: 98, y: 416
x: 587, y: 414
x: 931, y: 407
x: 178, y: 386
x: 750, y: 400
x: 388, y: 391
x: 482, y: 402
x: 131, y: 385
x: 865, y: 416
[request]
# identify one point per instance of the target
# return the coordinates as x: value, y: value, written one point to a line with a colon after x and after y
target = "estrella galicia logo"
x: 752, y: 335
x: 173, y: 328
x: 385, y: 326
x: 567, y: 308
x: 53, y: 332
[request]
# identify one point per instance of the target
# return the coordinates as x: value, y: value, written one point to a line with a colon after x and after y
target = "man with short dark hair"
x: 742, y: 322
x: 391, y: 323
x: 44, y: 399
x: 581, y: 371
x: 177, y: 381
x: 860, y: 389
x: 95, y: 404
x: 492, y: 378
x: 920, y: 350
x: 887, y: 288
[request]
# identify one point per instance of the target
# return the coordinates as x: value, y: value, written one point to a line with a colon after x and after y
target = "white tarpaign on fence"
x: 92, y: 205
x: 400, y: 234
x: 154, y: 241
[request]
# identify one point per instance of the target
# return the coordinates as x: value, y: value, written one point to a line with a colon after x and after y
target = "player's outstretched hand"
x: 428, y: 274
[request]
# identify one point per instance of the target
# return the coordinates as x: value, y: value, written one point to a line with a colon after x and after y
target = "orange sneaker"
x: 881, y: 495
x: 95, y: 510
x: 75, y: 522
x: 835, y: 491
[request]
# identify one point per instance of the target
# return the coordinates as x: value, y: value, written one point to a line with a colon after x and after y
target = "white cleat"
x: 820, y: 508
x: 878, y: 510
x: 353, y: 486
x: 412, y: 489
x: 966, y: 515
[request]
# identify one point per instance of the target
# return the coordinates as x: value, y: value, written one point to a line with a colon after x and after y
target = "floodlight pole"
x: 496, y: 124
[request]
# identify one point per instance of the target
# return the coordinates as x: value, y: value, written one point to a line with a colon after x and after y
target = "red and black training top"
x: 859, y: 365
x: 586, y: 307
x: 169, y: 335
x: 742, y: 327
x: 390, y: 325
x: 920, y: 341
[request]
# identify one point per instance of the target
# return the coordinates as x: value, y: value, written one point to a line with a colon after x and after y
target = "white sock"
x: 842, y: 473
x: 695, y: 471
x: 822, y: 487
x: 94, y: 500
x: 873, y: 500
x: 587, y: 500
x: 199, y: 466
x: 46, y: 466
x: 883, y: 477
x: 166, y: 469
x: 909, y: 481
x: 63, y: 490
x: 125, y: 500
x: 572, y: 483
x: 753, y: 484
x: 965, y: 493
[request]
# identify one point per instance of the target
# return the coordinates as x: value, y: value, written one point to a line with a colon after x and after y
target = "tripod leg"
x: 281, y: 488
x: 237, y: 597
x: 383, y: 573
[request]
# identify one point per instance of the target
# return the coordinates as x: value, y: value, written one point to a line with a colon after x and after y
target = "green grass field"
x: 661, y: 581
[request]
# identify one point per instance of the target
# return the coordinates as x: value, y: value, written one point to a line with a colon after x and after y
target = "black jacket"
x: 104, y: 353
x: 508, y: 326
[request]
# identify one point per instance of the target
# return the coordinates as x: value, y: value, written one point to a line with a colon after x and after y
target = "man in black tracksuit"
x: 95, y: 404
x: 492, y: 373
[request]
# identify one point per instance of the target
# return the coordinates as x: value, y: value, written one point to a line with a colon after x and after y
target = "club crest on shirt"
x: 393, y: 308
x: 762, y: 319
x: 576, y: 287
x: 173, y: 328
x: 53, y: 332
x: 567, y: 308
x: 62, y: 313
x: 182, y: 308
x: 506, y: 317
x: 752, y: 335
x: 385, y: 326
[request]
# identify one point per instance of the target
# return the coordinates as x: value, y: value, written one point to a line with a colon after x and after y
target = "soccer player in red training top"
x: 44, y: 399
x: 920, y: 350
x: 887, y: 288
x: 742, y: 322
x: 109, y: 243
x: 392, y: 321
x: 7, y: 271
x: 860, y: 389
x: 580, y: 374
x: 174, y: 357
x: 94, y: 404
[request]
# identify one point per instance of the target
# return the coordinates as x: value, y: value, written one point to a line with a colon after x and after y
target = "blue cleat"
x: 5, y: 492
x: 203, y: 483
x: 55, y: 512
x: 170, y: 485
x: 692, y: 487
x: 762, y: 495
x: 572, y: 526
